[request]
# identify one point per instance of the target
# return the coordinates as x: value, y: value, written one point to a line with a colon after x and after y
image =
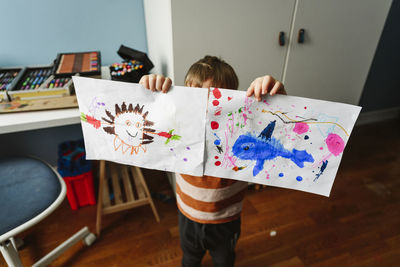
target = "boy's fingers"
x: 166, y: 85
x: 159, y: 82
x: 152, y: 82
x: 266, y: 84
x: 144, y: 81
x: 250, y: 90
x: 276, y: 88
x: 257, y: 91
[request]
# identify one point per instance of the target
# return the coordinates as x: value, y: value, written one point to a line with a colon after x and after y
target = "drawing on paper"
x: 271, y: 142
x: 132, y: 130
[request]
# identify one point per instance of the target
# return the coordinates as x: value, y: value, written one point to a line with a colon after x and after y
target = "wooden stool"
x: 123, y: 181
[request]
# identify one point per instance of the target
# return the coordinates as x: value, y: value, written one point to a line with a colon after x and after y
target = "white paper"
x: 283, y: 141
x: 158, y: 131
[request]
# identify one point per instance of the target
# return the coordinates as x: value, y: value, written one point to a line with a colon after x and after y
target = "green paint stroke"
x: 83, y: 117
x: 172, y: 136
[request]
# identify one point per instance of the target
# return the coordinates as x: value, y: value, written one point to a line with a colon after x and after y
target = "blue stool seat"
x: 30, y: 190
x: 28, y: 187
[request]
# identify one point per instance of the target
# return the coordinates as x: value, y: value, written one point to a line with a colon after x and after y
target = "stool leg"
x: 10, y: 254
x: 146, y: 189
x: 100, y: 197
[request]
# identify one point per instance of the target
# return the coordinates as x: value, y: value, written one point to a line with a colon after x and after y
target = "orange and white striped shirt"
x: 209, y: 199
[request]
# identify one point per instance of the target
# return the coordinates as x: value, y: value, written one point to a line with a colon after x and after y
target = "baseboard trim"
x: 378, y: 116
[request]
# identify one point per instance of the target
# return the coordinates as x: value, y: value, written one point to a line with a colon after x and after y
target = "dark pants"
x: 197, y: 238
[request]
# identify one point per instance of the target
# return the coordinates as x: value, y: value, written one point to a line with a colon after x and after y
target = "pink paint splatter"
x: 267, y: 174
x: 321, y: 148
x: 300, y: 128
x: 265, y: 102
x: 217, y: 93
x: 335, y: 144
x: 244, y: 118
x: 214, y: 125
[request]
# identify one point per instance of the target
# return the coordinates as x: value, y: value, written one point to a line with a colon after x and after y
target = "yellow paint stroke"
x: 308, y: 122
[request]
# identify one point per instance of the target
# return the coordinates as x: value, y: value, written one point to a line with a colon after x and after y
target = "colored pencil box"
x: 82, y: 63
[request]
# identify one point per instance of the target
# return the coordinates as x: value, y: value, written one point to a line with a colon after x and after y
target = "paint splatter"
x: 236, y: 168
x: 172, y: 150
x: 217, y: 163
x: 321, y: 148
x: 300, y: 128
x: 185, y: 159
x: 188, y: 148
x: 214, y: 125
x: 217, y: 142
x: 299, y: 178
x: 217, y: 93
x: 306, y: 137
x: 266, y: 172
x: 216, y: 157
x: 281, y: 174
x: 229, y: 98
x: 215, y: 102
x: 321, y: 171
x: 335, y: 144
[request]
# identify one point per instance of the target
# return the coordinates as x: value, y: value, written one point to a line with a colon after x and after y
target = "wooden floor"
x: 359, y: 225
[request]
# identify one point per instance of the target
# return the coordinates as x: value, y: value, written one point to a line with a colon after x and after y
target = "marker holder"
x: 134, y: 57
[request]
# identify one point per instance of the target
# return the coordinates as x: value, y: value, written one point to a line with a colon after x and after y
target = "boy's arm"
x: 264, y: 85
x: 155, y: 82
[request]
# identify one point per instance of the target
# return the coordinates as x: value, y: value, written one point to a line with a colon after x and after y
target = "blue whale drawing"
x: 265, y: 147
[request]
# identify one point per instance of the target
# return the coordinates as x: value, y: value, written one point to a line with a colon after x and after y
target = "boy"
x: 209, y: 207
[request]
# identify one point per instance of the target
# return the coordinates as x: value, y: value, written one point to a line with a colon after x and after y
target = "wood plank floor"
x: 359, y: 225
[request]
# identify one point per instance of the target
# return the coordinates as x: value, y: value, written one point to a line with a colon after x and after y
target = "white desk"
x: 32, y: 120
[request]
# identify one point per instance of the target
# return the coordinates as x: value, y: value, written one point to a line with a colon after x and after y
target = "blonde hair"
x: 214, y: 68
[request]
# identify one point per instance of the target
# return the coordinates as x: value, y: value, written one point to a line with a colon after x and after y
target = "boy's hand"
x: 264, y: 85
x: 155, y: 82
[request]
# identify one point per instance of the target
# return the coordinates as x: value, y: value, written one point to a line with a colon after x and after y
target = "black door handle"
x: 300, y: 36
x: 281, y: 38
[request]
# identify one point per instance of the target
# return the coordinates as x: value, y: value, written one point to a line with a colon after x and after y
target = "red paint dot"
x: 214, y: 125
x: 217, y: 163
x: 217, y: 93
x: 215, y: 102
x: 305, y: 107
x: 216, y: 157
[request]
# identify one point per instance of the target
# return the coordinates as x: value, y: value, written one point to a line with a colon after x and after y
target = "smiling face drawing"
x: 130, y: 127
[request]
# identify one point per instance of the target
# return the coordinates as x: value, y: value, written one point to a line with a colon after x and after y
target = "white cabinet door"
x: 341, y: 37
x: 243, y: 33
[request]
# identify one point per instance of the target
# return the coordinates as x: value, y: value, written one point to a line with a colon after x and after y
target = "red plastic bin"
x: 80, y: 190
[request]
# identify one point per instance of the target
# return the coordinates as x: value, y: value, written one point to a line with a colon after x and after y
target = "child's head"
x: 211, y: 71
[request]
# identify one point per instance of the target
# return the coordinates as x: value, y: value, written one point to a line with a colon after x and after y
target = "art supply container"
x: 82, y: 63
x: 9, y: 77
x: 77, y: 174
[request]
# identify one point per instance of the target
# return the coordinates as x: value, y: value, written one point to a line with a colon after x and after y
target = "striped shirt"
x: 209, y: 199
